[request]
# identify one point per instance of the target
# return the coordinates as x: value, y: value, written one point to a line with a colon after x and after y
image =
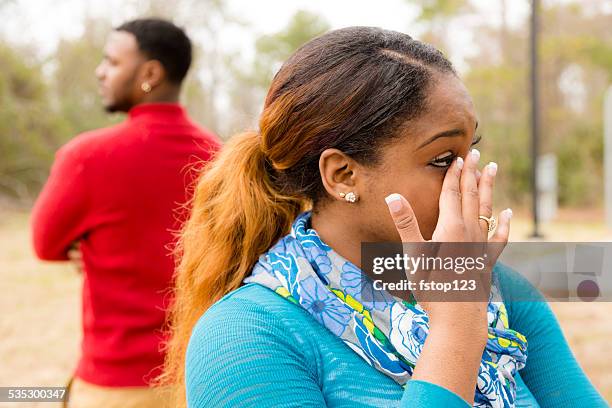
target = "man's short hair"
x: 163, y: 41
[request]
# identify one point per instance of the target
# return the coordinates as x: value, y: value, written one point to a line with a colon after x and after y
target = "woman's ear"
x: 338, y: 173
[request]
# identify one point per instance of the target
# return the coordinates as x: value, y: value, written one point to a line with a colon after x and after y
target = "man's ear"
x: 338, y: 173
x: 152, y: 72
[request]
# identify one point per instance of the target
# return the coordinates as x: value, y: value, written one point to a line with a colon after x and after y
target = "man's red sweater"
x: 118, y: 192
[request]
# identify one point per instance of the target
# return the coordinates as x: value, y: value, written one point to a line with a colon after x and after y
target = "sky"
x: 41, y: 24
x: 44, y: 22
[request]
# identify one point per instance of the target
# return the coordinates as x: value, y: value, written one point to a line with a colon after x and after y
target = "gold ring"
x: 491, y: 222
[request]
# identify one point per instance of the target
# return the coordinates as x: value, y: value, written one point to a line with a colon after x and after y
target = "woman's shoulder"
x: 246, y: 336
x: 251, y: 301
x: 251, y: 316
x: 514, y: 286
x: 527, y: 307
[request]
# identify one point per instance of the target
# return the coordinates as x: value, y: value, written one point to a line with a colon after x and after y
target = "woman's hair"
x: 350, y: 89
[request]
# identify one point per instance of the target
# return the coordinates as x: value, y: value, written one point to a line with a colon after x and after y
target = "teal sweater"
x: 254, y: 348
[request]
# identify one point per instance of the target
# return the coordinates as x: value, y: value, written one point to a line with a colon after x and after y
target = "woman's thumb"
x: 404, y: 218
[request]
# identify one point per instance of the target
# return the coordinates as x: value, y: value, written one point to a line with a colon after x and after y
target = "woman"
x: 371, y: 130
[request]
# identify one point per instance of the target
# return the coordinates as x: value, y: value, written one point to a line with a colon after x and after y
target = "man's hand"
x: 76, y: 257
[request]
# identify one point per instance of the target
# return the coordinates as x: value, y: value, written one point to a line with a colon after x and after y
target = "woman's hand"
x: 466, y: 194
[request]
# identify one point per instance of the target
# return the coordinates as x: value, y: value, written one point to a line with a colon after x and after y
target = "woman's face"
x: 415, y: 164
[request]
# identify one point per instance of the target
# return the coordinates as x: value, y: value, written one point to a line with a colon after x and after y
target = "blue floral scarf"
x: 385, y: 331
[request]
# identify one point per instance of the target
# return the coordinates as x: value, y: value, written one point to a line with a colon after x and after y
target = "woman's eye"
x: 443, y: 160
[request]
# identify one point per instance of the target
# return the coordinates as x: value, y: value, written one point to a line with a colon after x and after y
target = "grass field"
x: 40, y: 322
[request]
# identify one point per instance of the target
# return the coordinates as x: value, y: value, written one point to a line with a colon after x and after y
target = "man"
x: 114, y: 193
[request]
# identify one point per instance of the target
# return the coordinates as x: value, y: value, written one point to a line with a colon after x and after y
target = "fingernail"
x: 508, y: 213
x: 475, y: 155
x: 492, y: 168
x: 459, y: 163
x: 394, y: 201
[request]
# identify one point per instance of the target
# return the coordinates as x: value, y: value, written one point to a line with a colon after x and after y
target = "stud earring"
x: 146, y: 87
x: 349, y: 197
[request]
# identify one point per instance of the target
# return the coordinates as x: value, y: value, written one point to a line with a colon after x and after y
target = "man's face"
x: 118, y: 72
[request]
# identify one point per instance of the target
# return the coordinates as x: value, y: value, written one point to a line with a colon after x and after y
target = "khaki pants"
x: 86, y: 395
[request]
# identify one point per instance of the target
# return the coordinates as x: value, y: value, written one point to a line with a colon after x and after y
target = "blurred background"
x: 48, y: 94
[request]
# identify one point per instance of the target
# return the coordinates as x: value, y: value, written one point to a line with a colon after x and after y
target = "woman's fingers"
x: 501, y: 235
x: 404, y: 218
x: 450, y: 196
x: 485, y: 192
x: 469, y: 193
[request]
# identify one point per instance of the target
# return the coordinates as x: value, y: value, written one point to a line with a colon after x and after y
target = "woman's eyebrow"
x: 446, y: 133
